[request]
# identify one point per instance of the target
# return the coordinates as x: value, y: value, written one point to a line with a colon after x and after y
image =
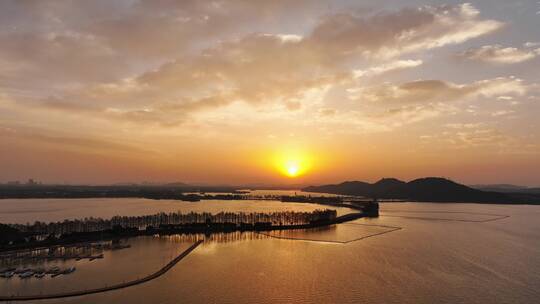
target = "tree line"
x: 93, y: 224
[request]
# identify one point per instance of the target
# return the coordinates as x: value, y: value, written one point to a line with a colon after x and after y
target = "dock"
x: 150, y: 277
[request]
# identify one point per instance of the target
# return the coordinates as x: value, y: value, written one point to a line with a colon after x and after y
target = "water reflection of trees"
x: 221, y: 237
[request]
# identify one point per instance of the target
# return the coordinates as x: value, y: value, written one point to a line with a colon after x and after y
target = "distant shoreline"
x: 428, y: 189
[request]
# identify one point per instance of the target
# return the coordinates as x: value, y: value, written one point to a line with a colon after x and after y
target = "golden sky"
x: 245, y: 92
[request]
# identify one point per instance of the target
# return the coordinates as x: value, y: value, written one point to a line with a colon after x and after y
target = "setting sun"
x: 292, y: 168
x: 292, y: 163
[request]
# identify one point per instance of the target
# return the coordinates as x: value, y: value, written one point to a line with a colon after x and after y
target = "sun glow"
x: 293, y: 164
x: 292, y: 168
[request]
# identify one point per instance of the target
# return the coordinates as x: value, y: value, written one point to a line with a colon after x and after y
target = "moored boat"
x: 7, y: 274
x: 53, y: 270
x: 26, y: 275
x: 55, y: 274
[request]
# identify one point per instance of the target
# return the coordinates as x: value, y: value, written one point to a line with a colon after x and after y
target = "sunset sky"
x: 239, y: 92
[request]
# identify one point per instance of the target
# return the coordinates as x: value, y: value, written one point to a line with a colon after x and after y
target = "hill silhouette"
x: 428, y: 189
x: 506, y: 188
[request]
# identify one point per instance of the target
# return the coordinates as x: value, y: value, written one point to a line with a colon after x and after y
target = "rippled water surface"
x: 441, y: 253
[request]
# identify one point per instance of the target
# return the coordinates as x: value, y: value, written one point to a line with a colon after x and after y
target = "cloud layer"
x: 256, y: 68
x: 184, y: 76
x: 500, y: 55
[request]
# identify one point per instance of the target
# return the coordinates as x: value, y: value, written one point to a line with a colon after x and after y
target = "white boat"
x: 26, y: 275
x: 7, y: 274
x: 69, y: 270
x: 53, y: 270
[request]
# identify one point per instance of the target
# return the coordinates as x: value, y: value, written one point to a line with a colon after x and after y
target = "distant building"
x: 31, y: 182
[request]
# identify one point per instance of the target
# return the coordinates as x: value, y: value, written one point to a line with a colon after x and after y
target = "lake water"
x: 51, y: 210
x: 412, y: 253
